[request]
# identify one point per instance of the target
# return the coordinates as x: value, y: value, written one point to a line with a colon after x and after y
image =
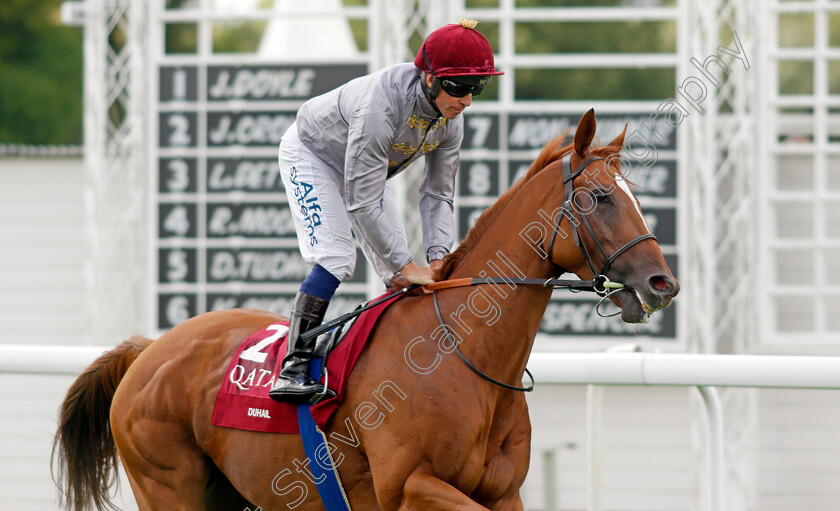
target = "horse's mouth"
x: 634, y: 308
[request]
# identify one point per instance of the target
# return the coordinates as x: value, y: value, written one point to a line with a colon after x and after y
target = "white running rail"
x: 47, y: 359
x: 702, y: 371
x: 763, y: 371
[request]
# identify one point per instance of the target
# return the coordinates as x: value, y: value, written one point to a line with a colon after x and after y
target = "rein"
x: 326, y: 327
x: 600, y: 285
x: 474, y: 369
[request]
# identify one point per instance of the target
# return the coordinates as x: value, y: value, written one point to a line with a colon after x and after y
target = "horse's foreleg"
x: 423, y: 491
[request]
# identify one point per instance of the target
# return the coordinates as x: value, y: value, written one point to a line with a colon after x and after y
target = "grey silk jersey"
x: 369, y: 130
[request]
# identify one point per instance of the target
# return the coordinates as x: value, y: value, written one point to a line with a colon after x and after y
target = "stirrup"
x: 294, y: 392
x: 327, y: 393
x: 301, y: 394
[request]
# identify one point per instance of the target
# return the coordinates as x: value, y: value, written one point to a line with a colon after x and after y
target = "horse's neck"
x: 506, y: 249
x: 503, y: 318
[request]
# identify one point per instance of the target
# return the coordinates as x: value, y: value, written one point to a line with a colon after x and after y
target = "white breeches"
x: 324, y: 228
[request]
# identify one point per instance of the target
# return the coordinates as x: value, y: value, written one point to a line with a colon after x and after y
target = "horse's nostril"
x: 660, y: 283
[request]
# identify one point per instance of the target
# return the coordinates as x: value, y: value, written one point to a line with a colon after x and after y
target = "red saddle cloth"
x: 243, y: 402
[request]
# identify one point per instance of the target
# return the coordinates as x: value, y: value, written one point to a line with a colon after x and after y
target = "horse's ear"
x: 585, y: 132
x: 618, y: 142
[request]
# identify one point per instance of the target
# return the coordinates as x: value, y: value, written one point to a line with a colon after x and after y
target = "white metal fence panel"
x: 41, y: 253
x: 647, y: 445
x: 29, y: 403
x: 801, y: 188
x: 798, y: 450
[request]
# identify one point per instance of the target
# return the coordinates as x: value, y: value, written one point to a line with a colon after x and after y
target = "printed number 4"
x: 255, y: 353
x: 177, y: 221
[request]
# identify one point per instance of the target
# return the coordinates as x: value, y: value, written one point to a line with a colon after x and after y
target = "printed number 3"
x: 255, y: 353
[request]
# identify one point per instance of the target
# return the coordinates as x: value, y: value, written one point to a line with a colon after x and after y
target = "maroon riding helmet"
x: 459, y: 58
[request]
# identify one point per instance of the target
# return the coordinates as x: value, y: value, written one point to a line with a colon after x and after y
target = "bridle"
x: 568, y: 208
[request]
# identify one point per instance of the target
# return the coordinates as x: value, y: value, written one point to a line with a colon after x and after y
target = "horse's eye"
x: 602, y: 197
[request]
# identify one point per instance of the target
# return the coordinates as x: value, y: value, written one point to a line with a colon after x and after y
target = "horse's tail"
x: 84, y: 456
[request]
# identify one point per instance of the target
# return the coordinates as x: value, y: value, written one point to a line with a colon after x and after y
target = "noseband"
x: 567, y: 209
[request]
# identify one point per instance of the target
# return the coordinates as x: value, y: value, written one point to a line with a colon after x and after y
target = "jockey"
x: 335, y: 161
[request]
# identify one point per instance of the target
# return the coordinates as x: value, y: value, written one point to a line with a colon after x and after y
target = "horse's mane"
x: 551, y: 152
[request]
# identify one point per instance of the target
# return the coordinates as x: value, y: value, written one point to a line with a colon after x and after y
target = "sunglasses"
x: 460, y: 89
x: 453, y: 88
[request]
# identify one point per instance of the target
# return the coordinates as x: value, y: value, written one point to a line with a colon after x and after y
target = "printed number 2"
x: 255, y: 353
x: 180, y: 134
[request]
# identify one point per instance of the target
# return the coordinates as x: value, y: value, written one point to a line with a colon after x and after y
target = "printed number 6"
x: 255, y: 353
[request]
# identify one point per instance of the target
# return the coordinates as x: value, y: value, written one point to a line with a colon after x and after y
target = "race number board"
x: 498, y: 149
x: 223, y: 232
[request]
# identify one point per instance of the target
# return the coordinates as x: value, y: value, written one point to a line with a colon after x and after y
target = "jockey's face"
x: 449, y: 107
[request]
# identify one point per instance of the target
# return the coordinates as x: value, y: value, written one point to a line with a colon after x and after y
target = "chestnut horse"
x: 416, y: 429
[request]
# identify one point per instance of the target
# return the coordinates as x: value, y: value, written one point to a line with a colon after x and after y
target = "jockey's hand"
x: 417, y: 274
x: 399, y: 280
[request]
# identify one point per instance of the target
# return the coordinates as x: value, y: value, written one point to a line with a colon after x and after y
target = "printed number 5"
x: 255, y: 353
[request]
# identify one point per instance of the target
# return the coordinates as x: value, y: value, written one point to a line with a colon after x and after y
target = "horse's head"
x: 603, y: 218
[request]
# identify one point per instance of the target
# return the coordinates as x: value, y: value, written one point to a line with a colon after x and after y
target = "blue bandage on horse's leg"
x: 320, y: 283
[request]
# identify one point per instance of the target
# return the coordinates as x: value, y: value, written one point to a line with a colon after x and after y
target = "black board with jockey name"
x: 224, y: 236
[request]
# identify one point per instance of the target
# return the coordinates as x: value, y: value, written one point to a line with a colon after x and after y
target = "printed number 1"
x: 179, y: 84
x: 255, y: 353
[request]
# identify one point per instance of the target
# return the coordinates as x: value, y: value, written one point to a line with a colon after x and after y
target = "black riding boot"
x: 293, y: 384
